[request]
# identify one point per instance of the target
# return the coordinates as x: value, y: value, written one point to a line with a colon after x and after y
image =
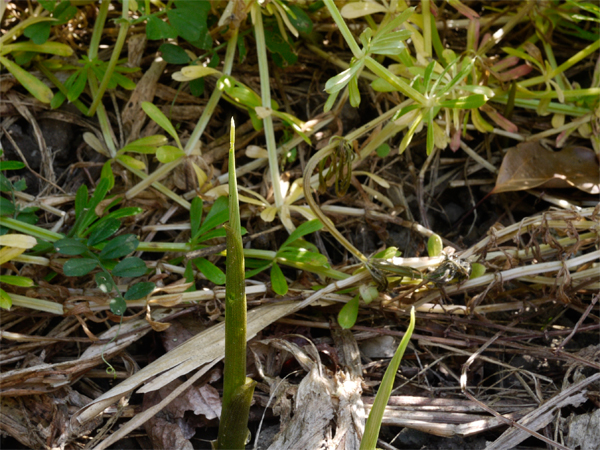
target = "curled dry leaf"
x: 530, y: 165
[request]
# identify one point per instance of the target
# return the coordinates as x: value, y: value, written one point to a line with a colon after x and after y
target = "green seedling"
x: 237, y: 389
x: 373, y: 425
x: 202, y: 231
x: 294, y: 252
x: 91, y: 238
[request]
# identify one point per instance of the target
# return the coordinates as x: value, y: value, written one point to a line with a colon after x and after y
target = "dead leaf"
x: 171, y: 427
x: 530, y: 165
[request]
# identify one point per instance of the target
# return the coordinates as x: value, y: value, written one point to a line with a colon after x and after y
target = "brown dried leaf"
x: 530, y: 165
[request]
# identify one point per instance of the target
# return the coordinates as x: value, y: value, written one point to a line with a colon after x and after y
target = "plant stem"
x: 98, y: 27
x: 31, y: 230
x: 113, y: 58
x: 346, y: 33
x: 265, y: 92
x: 234, y: 378
x: 425, y: 8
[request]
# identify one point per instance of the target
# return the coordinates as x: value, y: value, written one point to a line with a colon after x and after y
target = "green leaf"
x: 78, y: 267
x: 11, y: 165
x: 469, y: 102
x: 279, y: 47
x: 337, y: 83
x: 278, y: 281
x: 81, y: 199
x: 38, y: 32
x: 15, y: 280
x: 302, y: 21
x: 104, y: 282
x: 477, y: 270
x: 189, y: 276
x: 5, y: 184
x: 104, y: 231
x: 257, y: 270
x: 434, y: 245
x: 189, y: 18
x: 35, y: 87
x: 70, y: 246
x: 6, y: 207
x: 210, y: 271
x: 77, y: 86
x: 157, y: 115
x: 383, y: 150
x: 174, y: 54
x: 368, y: 293
x: 168, y: 153
x: 120, y: 246
x: 158, y: 29
x: 349, y: 313
x: 107, y: 173
x: 118, y: 214
x: 304, y: 229
x: 390, y: 44
x: 5, y: 300
x: 130, y: 267
x: 373, y: 424
x: 353, y: 92
x: 218, y: 214
x: 139, y: 290
x: 118, y: 306
x: 195, y: 215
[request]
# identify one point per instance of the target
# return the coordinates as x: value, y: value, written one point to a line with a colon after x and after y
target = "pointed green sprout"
x: 237, y: 389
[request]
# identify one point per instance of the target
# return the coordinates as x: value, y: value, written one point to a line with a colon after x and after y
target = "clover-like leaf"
x: 120, y: 246
x: 130, y: 267
x: 78, y: 267
x: 70, y: 246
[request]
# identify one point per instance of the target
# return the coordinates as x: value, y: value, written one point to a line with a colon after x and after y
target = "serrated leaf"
x: 210, y: 271
x: 104, y: 231
x: 139, y: 290
x: 70, y: 246
x: 161, y: 120
x: 120, y: 246
x: 349, y: 313
x: 278, y: 281
x: 77, y: 267
x: 130, y: 267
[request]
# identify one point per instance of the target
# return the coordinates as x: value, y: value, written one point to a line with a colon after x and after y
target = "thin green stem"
x: 31, y: 230
x: 113, y: 58
x: 553, y: 107
x: 102, y: 116
x: 346, y: 33
x: 98, y: 27
x: 310, y: 167
x: 163, y: 170
x: 395, y: 81
x: 426, y: 9
x: 564, y: 66
x: 61, y: 87
x: 265, y: 91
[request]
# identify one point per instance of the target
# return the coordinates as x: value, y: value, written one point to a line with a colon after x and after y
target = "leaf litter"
x: 534, y: 312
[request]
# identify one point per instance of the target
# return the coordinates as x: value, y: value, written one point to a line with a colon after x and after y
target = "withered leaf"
x: 530, y: 165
